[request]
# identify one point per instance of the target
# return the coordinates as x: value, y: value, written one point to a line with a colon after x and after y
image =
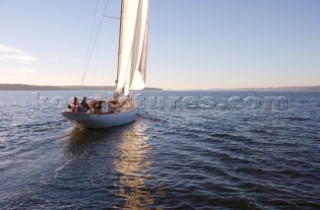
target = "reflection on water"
x: 136, y: 184
x: 117, y: 159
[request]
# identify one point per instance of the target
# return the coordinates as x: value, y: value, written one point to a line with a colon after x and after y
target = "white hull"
x: 101, y: 120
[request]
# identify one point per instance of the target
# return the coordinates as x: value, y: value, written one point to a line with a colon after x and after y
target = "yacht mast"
x: 119, y: 48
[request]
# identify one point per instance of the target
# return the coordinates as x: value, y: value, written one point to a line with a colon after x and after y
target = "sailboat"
x: 131, y: 71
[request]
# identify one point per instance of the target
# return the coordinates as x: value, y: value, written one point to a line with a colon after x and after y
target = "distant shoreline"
x: 276, y: 89
x: 22, y: 87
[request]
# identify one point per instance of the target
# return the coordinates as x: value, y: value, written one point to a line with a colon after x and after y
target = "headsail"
x: 133, y: 45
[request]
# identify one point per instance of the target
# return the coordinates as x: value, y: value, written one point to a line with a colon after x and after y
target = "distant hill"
x: 303, y: 88
x: 22, y: 87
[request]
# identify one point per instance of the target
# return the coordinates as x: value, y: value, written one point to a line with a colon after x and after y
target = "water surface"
x: 221, y: 157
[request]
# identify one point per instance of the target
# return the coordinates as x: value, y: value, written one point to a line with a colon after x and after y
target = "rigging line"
x: 93, y: 44
x: 91, y: 37
x: 111, y: 17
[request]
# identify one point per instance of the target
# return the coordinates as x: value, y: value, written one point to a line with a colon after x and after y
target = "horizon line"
x: 316, y: 87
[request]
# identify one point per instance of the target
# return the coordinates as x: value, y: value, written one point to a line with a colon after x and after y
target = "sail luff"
x: 143, y: 62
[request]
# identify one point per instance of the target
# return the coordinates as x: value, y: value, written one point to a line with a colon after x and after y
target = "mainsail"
x: 133, y: 44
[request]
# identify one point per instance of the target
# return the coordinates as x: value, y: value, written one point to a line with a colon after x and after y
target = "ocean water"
x: 186, y: 150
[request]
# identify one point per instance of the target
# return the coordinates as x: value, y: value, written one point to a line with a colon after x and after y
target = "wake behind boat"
x: 131, y: 71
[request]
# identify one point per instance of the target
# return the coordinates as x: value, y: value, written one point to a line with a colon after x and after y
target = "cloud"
x: 7, y: 49
x: 16, y: 61
x: 18, y: 58
x: 20, y: 70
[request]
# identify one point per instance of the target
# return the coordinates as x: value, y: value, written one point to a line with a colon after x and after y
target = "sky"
x: 193, y: 44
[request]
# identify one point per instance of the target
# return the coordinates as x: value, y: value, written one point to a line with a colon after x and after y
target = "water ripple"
x: 166, y: 159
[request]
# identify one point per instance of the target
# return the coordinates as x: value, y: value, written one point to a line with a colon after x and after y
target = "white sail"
x: 133, y: 45
x: 139, y: 78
